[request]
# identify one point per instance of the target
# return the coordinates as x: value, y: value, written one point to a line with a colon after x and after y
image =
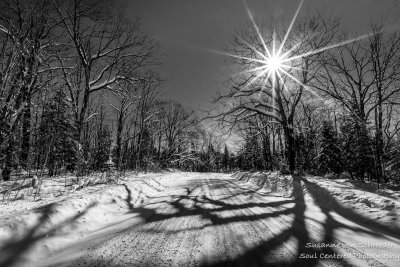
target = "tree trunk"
x: 290, y: 148
x: 119, y: 139
x: 6, y: 172
x: 9, y: 154
x: 379, y: 139
x: 26, y: 126
x: 267, y: 151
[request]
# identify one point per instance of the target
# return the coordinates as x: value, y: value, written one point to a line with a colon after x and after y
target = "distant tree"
x: 357, y: 149
x: 210, y: 157
x: 226, y: 159
x: 147, y: 149
x: 103, y: 147
x: 330, y: 156
x: 252, y: 156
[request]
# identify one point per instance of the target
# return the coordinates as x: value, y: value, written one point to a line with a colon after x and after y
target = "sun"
x: 274, y: 63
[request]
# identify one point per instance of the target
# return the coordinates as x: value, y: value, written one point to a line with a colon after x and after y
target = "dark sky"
x: 179, y: 25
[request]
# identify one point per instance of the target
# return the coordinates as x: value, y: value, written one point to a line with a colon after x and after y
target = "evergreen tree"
x: 330, y: 157
x: 225, y: 159
x: 357, y: 152
x: 218, y: 161
x: 103, y: 148
x: 252, y: 154
x: 210, y: 157
x: 57, y: 134
x: 147, y: 148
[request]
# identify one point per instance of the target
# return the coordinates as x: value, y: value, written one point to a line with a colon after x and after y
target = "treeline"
x: 327, y: 147
x: 334, y: 108
x: 79, y: 92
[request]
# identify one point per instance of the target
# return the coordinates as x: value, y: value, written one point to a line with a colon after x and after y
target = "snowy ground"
x: 193, y: 219
x: 382, y: 205
x: 34, y: 225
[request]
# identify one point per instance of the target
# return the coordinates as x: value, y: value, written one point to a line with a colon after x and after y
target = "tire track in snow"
x: 209, y: 220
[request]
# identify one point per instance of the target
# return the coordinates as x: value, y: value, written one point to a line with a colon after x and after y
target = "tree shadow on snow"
x: 222, y: 197
x: 12, y: 252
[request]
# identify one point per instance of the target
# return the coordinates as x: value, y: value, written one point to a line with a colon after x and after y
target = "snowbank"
x: 382, y: 205
x: 280, y: 185
x: 55, y: 220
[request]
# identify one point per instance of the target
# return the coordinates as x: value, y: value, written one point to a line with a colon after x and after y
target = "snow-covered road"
x: 216, y: 220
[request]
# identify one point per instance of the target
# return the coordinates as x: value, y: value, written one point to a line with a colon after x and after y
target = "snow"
x: 278, y: 185
x: 198, y: 219
x: 59, y: 216
x: 381, y: 205
x: 359, y: 217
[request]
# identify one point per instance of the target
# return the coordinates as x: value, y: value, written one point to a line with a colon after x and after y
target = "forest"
x: 80, y: 92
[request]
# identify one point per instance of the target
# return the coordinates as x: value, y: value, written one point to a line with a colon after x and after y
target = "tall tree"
x: 276, y: 96
x: 25, y: 30
x: 357, y: 147
x: 329, y: 157
x: 57, y: 143
x: 362, y: 77
x: 107, y: 47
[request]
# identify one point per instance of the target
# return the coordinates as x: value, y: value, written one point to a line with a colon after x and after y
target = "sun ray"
x: 254, y: 79
x: 273, y: 89
x: 300, y: 83
x: 282, y: 81
x: 236, y: 56
x: 298, y: 44
x: 266, y: 80
x: 254, y: 49
x: 289, y: 67
x: 264, y: 84
x: 273, y: 44
x: 257, y: 29
x: 277, y: 59
x: 290, y: 27
x: 251, y: 70
x: 313, y: 52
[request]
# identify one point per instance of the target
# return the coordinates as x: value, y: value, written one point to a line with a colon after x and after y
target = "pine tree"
x: 146, y: 148
x: 225, y: 159
x: 357, y: 150
x: 103, y: 148
x: 252, y: 154
x: 330, y: 156
x: 57, y: 134
x: 210, y: 157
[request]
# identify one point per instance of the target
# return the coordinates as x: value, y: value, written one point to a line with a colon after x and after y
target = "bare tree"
x: 278, y: 97
x: 385, y: 54
x: 122, y: 102
x: 105, y: 46
x: 25, y: 41
x: 363, y: 77
x: 178, y: 124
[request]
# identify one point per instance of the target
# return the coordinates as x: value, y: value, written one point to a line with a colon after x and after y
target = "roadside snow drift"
x: 36, y: 228
x: 281, y: 185
x: 202, y: 219
x: 382, y: 205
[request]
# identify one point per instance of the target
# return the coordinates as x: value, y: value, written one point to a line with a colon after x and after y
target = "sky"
x: 185, y: 29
